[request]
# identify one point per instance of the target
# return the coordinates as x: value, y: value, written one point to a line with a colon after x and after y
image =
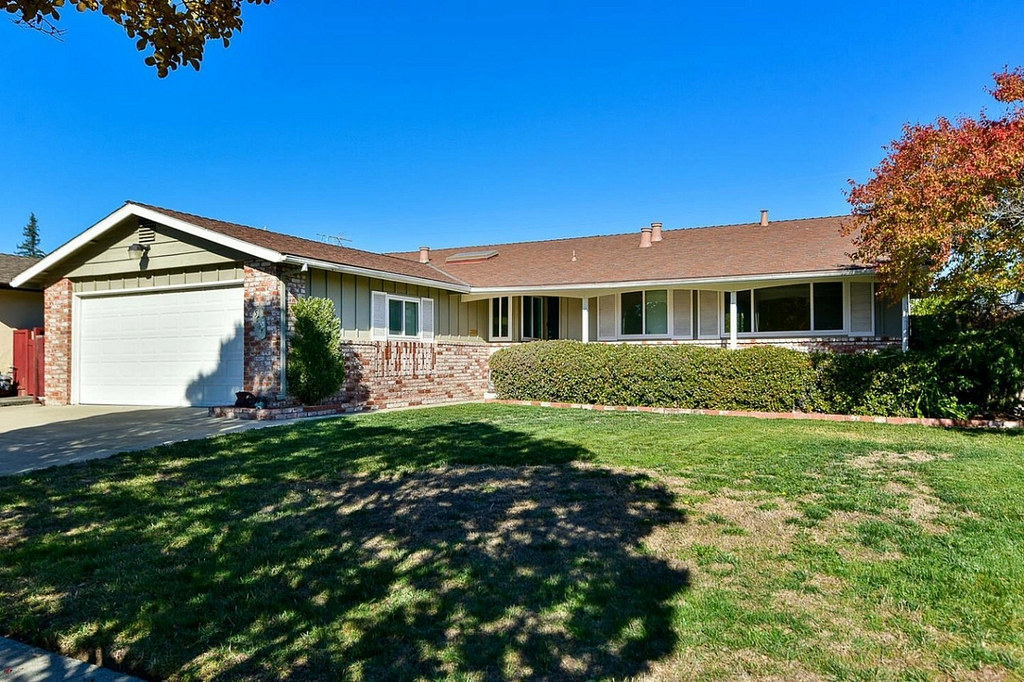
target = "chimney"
x: 764, y: 217
x: 424, y: 254
x: 645, y: 237
x: 655, y: 232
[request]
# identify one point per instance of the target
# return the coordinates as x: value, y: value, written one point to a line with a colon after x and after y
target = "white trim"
x: 163, y: 287
x: 490, y: 319
x: 127, y: 211
x: 76, y: 346
x: 733, y: 321
x: 378, y: 274
x: 568, y: 290
x: 586, y: 320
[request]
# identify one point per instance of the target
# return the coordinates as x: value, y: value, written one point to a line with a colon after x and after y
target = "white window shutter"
x: 427, y: 319
x: 682, y: 317
x: 862, y: 308
x: 606, y: 318
x: 707, y: 314
x: 379, y: 316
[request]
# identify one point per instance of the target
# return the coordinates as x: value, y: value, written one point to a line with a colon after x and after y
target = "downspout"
x: 906, y: 323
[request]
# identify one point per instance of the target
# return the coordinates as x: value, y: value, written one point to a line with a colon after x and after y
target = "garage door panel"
x: 165, y: 348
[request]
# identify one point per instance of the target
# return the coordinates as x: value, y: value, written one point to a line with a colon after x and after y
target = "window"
x: 828, y: 306
x: 499, y: 318
x: 787, y: 309
x: 644, y: 312
x: 783, y: 309
x: 403, y: 316
x: 540, y: 317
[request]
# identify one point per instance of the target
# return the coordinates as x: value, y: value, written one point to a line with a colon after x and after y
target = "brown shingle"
x: 785, y: 246
x: 12, y: 266
x: 307, y: 248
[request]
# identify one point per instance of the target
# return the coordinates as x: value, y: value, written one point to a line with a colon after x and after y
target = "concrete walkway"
x: 22, y: 663
x: 36, y: 436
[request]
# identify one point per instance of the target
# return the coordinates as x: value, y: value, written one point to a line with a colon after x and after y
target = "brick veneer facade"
x: 57, y: 304
x: 262, y: 373
x: 408, y: 373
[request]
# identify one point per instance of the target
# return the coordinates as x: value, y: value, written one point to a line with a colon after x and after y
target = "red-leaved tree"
x: 944, y: 211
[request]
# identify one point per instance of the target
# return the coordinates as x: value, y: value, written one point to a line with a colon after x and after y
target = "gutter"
x: 378, y: 274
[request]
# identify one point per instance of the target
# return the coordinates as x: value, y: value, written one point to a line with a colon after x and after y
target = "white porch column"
x: 733, y: 322
x: 586, y: 320
x: 906, y: 322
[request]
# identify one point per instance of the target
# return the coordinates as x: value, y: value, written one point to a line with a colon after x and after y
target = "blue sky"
x: 457, y: 123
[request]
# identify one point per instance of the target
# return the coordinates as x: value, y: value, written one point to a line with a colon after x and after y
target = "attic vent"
x: 468, y: 256
x: 146, y: 234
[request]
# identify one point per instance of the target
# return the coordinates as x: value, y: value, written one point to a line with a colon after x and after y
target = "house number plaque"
x: 259, y: 324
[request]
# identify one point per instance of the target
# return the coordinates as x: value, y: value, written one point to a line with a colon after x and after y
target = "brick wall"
x: 409, y: 373
x: 263, y: 279
x: 57, y: 302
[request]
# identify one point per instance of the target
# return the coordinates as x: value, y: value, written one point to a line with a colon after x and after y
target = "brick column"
x: 262, y: 355
x: 57, y: 321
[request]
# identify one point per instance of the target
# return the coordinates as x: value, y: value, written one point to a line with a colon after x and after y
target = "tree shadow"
x: 333, y: 550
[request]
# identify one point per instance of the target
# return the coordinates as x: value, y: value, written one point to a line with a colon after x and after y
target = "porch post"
x: 906, y: 322
x: 586, y: 320
x: 733, y: 322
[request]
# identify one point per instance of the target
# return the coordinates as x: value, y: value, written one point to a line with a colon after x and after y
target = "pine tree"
x: 30, y: 247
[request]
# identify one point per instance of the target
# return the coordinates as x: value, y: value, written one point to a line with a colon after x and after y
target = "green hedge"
x: 758, y: 378
x: 954, y: 381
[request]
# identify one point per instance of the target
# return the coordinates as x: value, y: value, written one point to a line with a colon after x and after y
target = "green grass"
x: 485, y: 542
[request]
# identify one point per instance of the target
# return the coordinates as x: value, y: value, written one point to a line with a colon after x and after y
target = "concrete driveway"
x: 35, y: 437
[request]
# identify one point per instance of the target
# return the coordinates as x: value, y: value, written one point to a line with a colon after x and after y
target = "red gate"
x: 28, y: 361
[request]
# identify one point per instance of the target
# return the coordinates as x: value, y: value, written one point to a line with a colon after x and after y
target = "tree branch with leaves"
x: 175, y: 31
x: 944, y: 211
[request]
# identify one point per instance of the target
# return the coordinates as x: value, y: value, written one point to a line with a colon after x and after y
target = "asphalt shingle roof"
x: 727, y: 251
x: 12, y: 266
x: 308, y: 248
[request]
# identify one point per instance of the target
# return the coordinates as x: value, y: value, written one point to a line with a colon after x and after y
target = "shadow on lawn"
x: 268, y: 554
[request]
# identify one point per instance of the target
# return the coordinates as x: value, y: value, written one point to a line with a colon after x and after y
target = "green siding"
x: 171, y: 250
x: 352, y: 296
x: 210, y: 274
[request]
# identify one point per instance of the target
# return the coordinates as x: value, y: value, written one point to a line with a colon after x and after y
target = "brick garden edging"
x: 813, y: 416
x: 291, y: 412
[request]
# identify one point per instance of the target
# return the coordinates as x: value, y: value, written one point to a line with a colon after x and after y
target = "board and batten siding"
x: 352, y: 297
x: 211, y: 274
x: 169, y: 249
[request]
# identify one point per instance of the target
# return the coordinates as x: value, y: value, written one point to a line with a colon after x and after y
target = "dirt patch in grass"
x: 880, y: 460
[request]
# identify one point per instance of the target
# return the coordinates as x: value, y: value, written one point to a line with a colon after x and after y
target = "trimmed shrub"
x: 762, y: 378
x: 316, y: 366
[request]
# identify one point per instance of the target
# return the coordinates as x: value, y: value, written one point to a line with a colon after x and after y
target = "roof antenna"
x: 335, y: 239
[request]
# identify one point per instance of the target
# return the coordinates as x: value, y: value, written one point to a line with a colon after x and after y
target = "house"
x: 152, y: 306
x: 20, y: 308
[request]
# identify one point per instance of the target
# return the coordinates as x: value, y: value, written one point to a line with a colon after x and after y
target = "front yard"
x: 485, y: 542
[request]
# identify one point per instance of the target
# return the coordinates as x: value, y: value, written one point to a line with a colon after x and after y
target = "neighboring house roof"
x: 11, y: 266
x: 785, y: 247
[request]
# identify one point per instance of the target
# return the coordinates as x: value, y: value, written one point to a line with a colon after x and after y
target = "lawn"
x: 487, y: 542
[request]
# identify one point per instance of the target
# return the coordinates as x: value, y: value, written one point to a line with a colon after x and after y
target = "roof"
x: 11, y: 266
x: 782, y: 247
x: 311, y: 249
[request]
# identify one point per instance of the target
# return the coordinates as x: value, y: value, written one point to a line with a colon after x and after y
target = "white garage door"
x: 165, y: 348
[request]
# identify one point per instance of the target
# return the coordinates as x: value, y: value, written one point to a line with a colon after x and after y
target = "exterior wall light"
x: 137, y: 251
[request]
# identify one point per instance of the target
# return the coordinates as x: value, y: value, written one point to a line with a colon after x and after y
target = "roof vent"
x: 146, y: 233
x: 645, y: 237
x: 470, y: 256
x: 424, y: 254
x: 764, y: 217
x: 655, y: 232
